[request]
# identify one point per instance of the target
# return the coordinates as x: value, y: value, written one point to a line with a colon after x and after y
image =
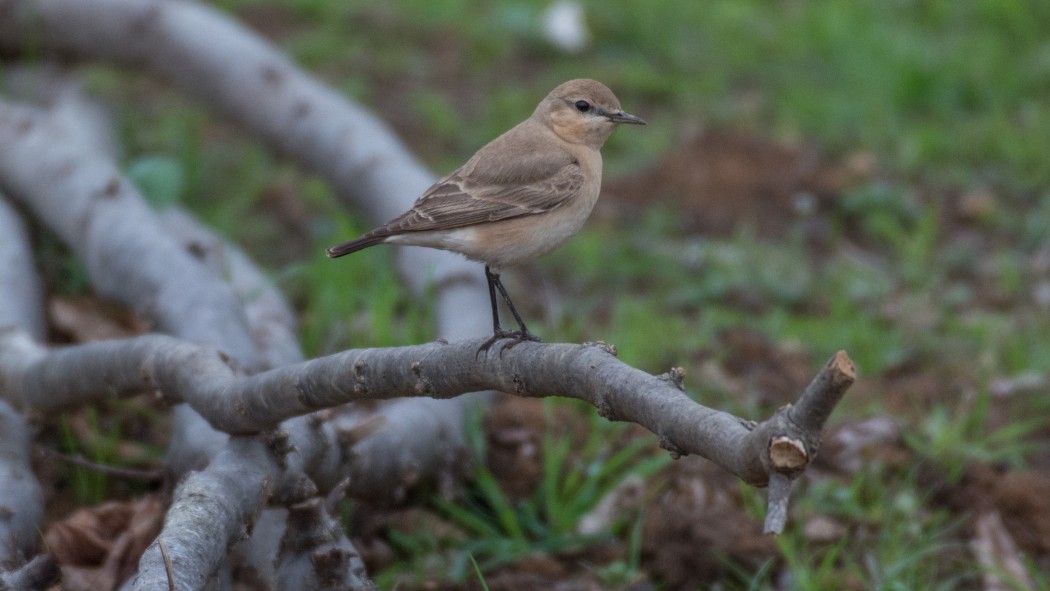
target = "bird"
x: 520, y: 196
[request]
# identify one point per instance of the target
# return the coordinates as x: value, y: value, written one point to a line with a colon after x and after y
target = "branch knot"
x: 278, y: 442
x: 674, y: 376
x: 607, y: 347
x: 675, y: 451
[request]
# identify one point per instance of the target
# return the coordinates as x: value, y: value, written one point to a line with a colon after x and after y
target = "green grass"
x: 940, y: 89
x: 893, y: 541
x: 364, y: 303
x: 89, y: 485
x: 493, y: 530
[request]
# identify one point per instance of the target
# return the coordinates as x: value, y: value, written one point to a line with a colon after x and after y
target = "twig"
x: 777, y: 503
x: 797, y: 438
x: 167, y: 564
x: 129, y: 473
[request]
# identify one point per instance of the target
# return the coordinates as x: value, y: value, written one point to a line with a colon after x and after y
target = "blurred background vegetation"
x: 862, y: 175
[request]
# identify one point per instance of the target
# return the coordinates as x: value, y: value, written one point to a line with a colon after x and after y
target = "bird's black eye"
x: 583, y: 106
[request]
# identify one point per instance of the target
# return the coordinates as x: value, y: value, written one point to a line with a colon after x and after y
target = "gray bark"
x: 239, y: 74
x: 196, y: 375
x: 21, y: 500
x: 269, y: 323
x: 22, y: 304
x: 231, y: 69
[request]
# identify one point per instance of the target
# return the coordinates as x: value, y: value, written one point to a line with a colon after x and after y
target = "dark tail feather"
x: 354, y: 245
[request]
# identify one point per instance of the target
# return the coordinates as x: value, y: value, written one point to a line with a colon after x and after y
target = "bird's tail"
x: 355, y: 245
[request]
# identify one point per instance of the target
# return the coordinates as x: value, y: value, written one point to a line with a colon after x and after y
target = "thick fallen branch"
x: 21, y: 500
x: 412, y: 428
x: 231, y: 69
x: 426, y: 437
x: 37, y: 574
x: 228, y: 493
x: 21, y: 297
x: 269, y: 327
x: 85, y: 199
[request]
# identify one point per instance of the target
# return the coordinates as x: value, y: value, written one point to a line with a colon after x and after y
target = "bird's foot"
x: 513, y: 336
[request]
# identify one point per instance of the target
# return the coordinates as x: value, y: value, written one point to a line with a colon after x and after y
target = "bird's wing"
x: 461, y: 199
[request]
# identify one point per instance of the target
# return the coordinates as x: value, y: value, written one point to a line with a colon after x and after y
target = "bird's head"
x: 583, y: 112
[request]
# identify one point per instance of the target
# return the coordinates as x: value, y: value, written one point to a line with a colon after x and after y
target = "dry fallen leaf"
x: 99, y: 547
x: 998, y: 555
x: 88, y: 318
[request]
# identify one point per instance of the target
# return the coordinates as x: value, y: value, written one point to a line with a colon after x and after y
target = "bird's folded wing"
x: 456, y: 202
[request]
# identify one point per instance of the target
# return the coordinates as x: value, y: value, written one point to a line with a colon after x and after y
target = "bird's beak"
x: 622, y: 117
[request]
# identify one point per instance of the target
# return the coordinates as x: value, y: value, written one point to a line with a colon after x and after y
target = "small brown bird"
x: 522, y: 195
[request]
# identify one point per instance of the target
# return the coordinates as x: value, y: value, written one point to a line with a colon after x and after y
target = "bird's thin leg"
x: 498, y: 332
x: 492, y: 279
x: 506, y: 298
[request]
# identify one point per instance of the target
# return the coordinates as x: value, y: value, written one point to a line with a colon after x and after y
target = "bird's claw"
x: 514, y: 336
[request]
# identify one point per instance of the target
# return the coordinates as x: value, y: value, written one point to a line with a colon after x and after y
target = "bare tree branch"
x: 233, y: 70
x: 130, y: 258
x: 21, y: 500
x: 36, y: 575
x: 243, y: 405
x: 228, y: 494
x: 271, y: 322
x: 419, y: 455
x: 22, y: 302
x: 229, y: 68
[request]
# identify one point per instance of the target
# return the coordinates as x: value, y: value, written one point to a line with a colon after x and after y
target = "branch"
x: 185, y: 372
x: 429, y: 436
x: 245, y: 405
x: 21, y: 500
x: 797, y: 438
x: 236, y: 72
x: 36, y: 575
x: 178, y: 30
x: 233, y: 70
x: 227, y: 494
x: 22, y: 302
x: 84, y: 198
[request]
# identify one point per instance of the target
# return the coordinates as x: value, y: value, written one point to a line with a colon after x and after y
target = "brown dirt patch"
x: 514, y: 431
x: 695, y: 528
x: 775, y: 373
x: 720, y: 180
x: 1023, y: 499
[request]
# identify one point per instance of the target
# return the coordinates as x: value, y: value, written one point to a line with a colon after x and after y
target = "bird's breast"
x: 520, y: 240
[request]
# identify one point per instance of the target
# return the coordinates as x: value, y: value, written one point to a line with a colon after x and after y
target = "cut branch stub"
x: 787, y: 455
x: 796, y: 434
